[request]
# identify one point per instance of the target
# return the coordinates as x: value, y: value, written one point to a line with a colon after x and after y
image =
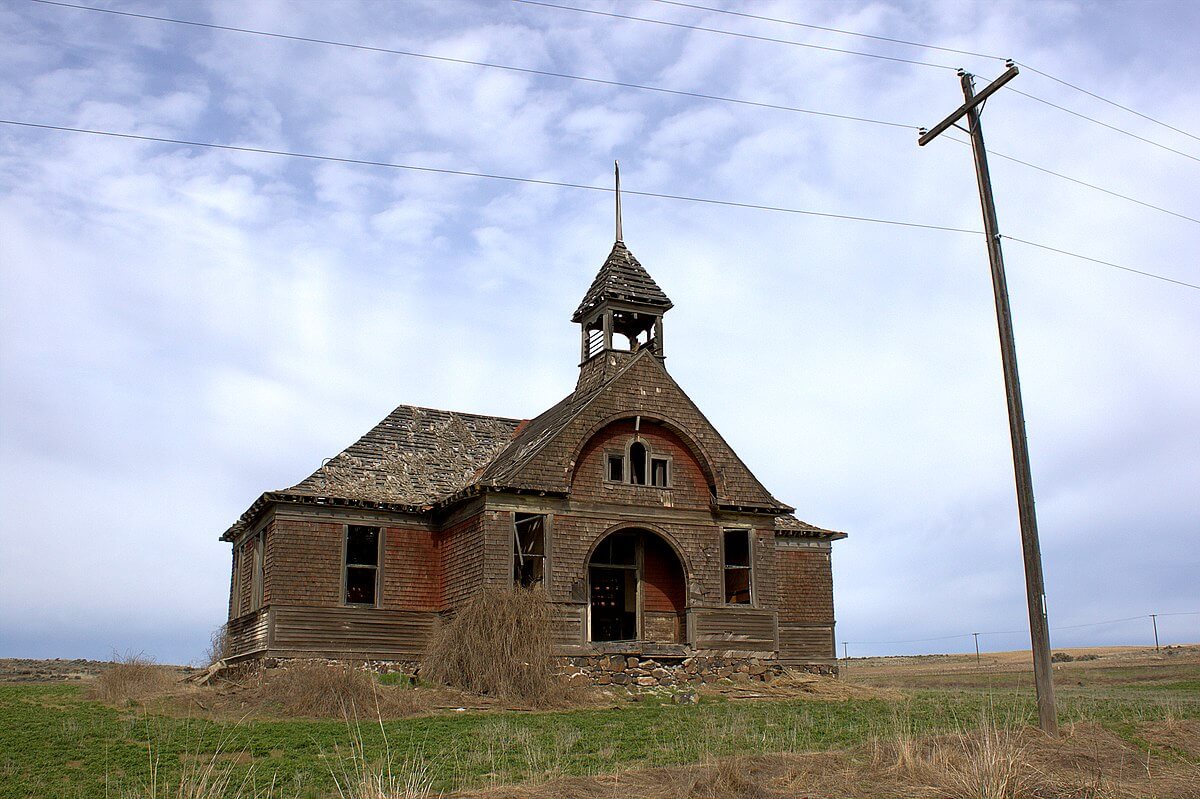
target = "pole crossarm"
x: 931, y: 134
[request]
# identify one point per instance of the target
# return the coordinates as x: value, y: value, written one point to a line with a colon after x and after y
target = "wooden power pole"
x: 1035, y: 591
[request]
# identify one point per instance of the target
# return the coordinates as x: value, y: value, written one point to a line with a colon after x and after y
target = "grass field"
x: 56, y: 742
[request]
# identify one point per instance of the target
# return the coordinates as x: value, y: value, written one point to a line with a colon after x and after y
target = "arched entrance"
x: 636, y: 590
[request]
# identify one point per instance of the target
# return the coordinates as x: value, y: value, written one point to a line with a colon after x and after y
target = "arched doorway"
x: 636, y: 590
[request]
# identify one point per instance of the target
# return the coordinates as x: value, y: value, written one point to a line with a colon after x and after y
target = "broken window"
x: 362, y: 564
x: 659, y: 472
x: 529, y: 549
x: 637, y: 463
x: 616, y: 467
x: 737, y: 567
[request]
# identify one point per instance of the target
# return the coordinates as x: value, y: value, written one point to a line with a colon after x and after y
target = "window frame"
x: 626, y: 459
x: 547, y: 528
x: 748, y: 568
x: 258, y: 570
x: 609, y: 454
x: 378, y: 567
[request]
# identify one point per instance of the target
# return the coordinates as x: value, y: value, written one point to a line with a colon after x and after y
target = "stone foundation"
x: 638, y: 672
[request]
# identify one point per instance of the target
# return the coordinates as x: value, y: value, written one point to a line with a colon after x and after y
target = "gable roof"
x: 415, y: 456
x: 622, y: 278
x: 540, y: 456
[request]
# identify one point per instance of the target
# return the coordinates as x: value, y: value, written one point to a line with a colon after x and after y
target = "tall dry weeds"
x: 131, y: 678
x: 317, y: 689
x: 498, y: 644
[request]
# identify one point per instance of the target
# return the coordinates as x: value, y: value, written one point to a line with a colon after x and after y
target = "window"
x: 258, y: 574
x: 529, y: 549
x: 659, y: 472
x: 637, y: 463
x: 616, y: 468
x: 362, y: 565
x: 738, y: 578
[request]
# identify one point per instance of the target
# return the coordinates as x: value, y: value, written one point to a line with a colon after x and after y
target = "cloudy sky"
x: 182, y: 328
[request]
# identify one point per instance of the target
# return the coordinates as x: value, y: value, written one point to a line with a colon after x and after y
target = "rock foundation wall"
x: 650, y: 672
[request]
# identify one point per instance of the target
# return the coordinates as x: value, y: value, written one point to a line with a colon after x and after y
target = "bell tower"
x: 623, y: 309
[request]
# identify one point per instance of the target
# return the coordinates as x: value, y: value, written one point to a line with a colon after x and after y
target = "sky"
x: 183, y: 328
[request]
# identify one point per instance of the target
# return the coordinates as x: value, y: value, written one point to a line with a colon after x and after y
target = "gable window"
x: 738, y: 576
x: 616, y: 467
x: 660, y: 472
x: 529, y: 549
x: 362, y: 565
x: 637, y: 463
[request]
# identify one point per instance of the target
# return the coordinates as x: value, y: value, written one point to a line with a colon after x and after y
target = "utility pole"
x: 1154, y: 621
x: 976, y: 648
x: 1035, y: 592
x: 845, y: 651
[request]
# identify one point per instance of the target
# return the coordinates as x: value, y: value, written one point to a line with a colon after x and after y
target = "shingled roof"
x: 623, y: 279
x: 415, y: 456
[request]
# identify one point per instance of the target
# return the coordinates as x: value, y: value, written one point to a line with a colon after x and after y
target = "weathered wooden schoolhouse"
x: 648, y: 534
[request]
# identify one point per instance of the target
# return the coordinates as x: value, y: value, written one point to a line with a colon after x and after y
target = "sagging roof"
x: 790, y: 526
x: 622, y: 279
x: 416, y: 456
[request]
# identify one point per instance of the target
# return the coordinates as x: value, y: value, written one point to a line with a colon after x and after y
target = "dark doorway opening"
x: 636, y: 589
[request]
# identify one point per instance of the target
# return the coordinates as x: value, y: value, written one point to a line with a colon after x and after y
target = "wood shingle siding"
x: 351, y: 631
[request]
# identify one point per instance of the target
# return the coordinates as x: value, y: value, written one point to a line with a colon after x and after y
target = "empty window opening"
x: 613, y: 574
x: 258, y: 575
x: 637, y: 463
x: 659, y: 472
x: 529, y: 549
x: 738, y: 578
x: 616, y: 468
x: 362, y: 564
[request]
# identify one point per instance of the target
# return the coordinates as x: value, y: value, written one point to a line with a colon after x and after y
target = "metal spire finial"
x: 617, y: 171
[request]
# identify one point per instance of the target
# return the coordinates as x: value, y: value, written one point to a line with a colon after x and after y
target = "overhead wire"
x: 1016, y: 632
x: 1093, y: 120
x: 565, y: 184
x: 810, y: 26
x: 928, y: 46
x: 995, y: 154
x: 567, y: 76
x: 736, y: 34
x: 485, y: 64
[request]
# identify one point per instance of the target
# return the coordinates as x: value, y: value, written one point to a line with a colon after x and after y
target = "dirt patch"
x: 795, y: 684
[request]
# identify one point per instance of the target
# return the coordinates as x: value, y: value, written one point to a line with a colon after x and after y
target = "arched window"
x: 637, y: 463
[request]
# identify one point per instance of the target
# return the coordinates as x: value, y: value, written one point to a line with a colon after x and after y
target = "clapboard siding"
x: 803, y: 643
x: 247, y: 634
x: 567, y: 623
x: 362, y: 632
x: 734, y: 629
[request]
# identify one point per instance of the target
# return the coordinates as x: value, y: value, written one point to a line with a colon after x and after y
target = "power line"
x: 1110, y: 102
x: 564, y: 184
x: 567, y: 76
x: 1104, y: 263
x: 485, y: 64
x: 790, y: 42
x: 830, y: 30
x: 928, y: 46
x: 994, y: 153
x: 489, y: 176
x: 1015, y: 632
x: 1102, y: 124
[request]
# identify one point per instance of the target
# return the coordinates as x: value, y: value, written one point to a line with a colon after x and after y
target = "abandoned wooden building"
x: 648, y: 534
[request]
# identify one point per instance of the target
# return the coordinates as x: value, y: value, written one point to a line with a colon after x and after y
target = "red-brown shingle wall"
x: 688, y: 485
x: 305, y: 562
x: 805, y: 585
x: 663, y: 587
x: 644, y: 388
x: 412, y: 570
x: 461, y: 546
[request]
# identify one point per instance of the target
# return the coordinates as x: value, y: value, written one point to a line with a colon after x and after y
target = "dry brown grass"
x: 990, y: 761
x: 499, y: 644
x: 131, y: 678
x: 316, y: 689
x: 218, y: 646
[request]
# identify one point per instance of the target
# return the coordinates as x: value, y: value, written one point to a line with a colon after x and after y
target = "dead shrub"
x: 131, y: 678
x: 498, y: 644
x: 316, y: 689
x: 218, y: 646
x: 990, y: 763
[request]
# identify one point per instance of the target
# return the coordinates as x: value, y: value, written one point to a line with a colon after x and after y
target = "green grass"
x: 56, y: 743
